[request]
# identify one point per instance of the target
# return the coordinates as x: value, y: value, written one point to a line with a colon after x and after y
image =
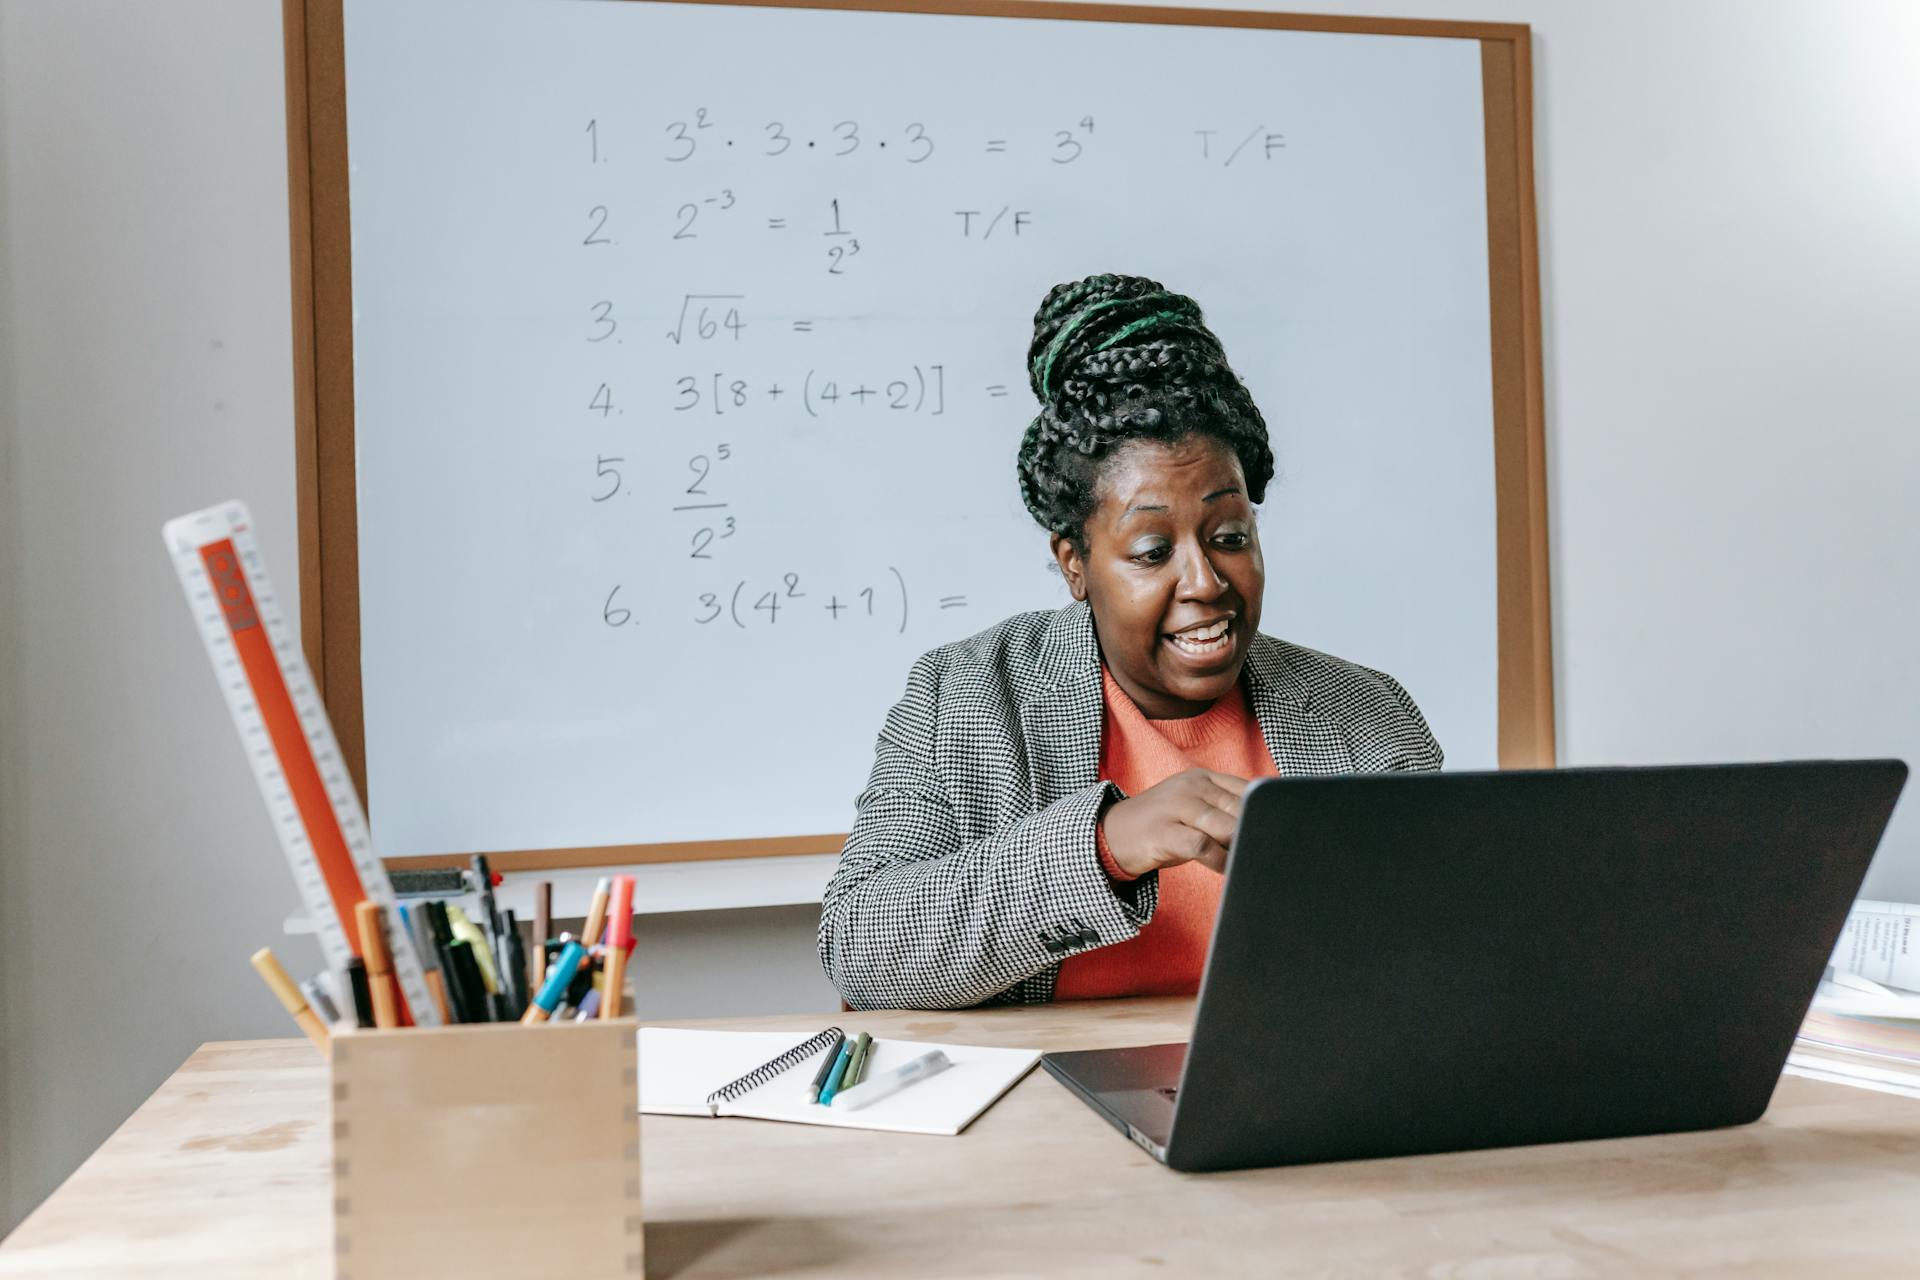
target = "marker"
x: 889, y: 1083
x: 512, y: 986
x: 516, y: 964
x: 556, y: 986
x: 464, y: 968
x: 839, y: 1072
x: 362, y: 994
x: 827, y: 1060
x: 619, y: 942
x: 469, y: 932
x: 857, y: 1064
x: 597, y: 913
x: 415, y: 924
x: 289, y: 996
x: 441, y: 934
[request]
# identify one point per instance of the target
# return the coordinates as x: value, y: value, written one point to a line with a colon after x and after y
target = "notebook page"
x: 944, y: 1104
x: 679, y: 1068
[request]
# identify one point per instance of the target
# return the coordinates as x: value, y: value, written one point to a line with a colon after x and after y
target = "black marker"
x: 362, y: 992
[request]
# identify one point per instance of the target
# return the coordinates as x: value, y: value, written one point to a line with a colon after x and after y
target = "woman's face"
x: 1172, y: 551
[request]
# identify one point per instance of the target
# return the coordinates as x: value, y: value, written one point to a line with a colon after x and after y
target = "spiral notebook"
x: 764, y: 1075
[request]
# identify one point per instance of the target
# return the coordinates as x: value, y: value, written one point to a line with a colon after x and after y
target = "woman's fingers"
x: 1211, y: 821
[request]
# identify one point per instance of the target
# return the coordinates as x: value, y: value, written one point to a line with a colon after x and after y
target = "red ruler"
x: 288, y: 739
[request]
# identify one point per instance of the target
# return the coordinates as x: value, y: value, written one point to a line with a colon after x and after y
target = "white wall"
x: 1730, y: 219
x: 144, y: 286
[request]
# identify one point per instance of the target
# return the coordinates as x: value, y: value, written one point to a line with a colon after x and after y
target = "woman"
x: 1052, y: 799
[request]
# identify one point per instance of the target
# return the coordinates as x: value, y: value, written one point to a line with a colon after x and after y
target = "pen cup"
x: 497, y: 1150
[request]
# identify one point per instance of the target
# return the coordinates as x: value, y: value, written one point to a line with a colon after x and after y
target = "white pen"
x: 889, y: 1083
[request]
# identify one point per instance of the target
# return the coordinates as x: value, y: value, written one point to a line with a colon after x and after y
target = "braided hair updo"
x: 1116, y: 359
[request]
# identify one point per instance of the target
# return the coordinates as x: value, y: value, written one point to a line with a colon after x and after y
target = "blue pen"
x: 559, y: 978
x: 832, y: 1086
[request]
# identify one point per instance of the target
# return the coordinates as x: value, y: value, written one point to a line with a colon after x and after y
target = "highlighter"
x: 619, y: 936
x: 469, y: 932
x: 559, y: 978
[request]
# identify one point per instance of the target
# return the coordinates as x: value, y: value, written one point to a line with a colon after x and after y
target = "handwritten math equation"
x: 693, y: 354
x: 749, y: 604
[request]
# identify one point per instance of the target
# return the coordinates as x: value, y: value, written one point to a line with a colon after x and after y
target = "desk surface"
x: 223, y: 1172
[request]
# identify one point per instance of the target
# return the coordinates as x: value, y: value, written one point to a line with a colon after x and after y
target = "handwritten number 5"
x: 601, y: 468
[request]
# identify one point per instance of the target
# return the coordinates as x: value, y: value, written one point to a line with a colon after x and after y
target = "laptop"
x: 1409, y: 963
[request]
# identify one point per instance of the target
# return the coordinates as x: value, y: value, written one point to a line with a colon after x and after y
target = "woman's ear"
x: 1067, y: 556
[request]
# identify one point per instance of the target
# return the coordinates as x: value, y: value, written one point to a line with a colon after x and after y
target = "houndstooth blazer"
x: 971, y: 870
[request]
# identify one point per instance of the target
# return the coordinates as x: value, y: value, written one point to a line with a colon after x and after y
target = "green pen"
x: 857, y: 1065
x: 832, y: 1086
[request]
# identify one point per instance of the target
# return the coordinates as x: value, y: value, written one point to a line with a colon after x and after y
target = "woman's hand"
x: 1186, y: 818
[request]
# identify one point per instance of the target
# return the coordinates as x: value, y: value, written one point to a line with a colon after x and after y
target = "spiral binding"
x: 761, y: 1074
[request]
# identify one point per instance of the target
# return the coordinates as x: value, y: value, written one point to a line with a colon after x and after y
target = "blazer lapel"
x: 1062, y: 718
x: 1063, y: 714
x: 1300, y: 739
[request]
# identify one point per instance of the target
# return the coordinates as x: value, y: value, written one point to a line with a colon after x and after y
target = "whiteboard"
x: 689, y: 363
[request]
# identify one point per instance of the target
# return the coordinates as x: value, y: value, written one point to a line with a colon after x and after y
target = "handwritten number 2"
x: 598, y: 212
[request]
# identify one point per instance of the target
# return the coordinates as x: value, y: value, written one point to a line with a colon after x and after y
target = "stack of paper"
x: 1864, y: 1028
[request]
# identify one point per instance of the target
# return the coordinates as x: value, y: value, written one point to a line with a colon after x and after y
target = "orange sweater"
x: 1136, y: 753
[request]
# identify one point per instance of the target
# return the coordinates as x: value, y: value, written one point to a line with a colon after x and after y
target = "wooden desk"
x: 223, y: 1172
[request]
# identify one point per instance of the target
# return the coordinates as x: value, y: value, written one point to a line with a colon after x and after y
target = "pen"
x: 289, y: 996
x: 619, y: 935
x: 888, y: 1083
x: 839, y: 1072
x: 556, y: 986
x: 516, y: 964
x: 435, y: 914
x: 857, y: 1064
x: 469, y: 932
x: 597, y: 913
x: 542, y: 929
x: 464, y: 968
x: 415, y: 921
x: 373, y: 950
x: 589, y: 1006
x: 827, y: 1060
x: 320, y: 1002
x: 362, y: 996
x: 511, y: 985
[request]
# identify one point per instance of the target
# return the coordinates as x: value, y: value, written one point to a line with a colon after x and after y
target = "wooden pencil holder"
x: 487, y: 1151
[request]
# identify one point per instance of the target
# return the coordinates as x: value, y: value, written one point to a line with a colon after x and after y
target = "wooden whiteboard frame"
x: 323, y: 375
